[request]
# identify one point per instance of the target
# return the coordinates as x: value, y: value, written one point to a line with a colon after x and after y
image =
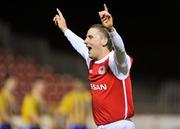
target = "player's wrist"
x: 64, y: 29
x: 112, y: 29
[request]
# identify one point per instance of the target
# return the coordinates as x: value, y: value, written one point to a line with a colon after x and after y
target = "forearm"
x: 77, y: 43
x: 35, y: 119
x: 5, y: 117
x: 117, y: 41
x: 120, y: 55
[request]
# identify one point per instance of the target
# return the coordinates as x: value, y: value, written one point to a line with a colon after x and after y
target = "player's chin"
x: 91, y: 56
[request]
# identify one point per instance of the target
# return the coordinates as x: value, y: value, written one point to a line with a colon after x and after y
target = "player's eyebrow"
x: 89, y: 36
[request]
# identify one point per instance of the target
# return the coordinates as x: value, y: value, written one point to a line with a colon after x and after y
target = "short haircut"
x: 104, y: 30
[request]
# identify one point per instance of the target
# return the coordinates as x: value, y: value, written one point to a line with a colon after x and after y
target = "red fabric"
x: 108, y: 96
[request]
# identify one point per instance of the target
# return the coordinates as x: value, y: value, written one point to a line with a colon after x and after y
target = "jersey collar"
x: 104, y: 58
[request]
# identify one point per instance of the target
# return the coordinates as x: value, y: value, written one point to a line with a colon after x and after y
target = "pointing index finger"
x: 59, y: 12
x: 105, y: 8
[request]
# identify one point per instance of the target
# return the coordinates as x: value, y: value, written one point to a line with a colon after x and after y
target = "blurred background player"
x: 34, y: 105
x: 75, y: 106
x: 8, y: 103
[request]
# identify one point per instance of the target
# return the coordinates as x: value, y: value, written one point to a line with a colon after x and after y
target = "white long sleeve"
x: 119, y: 61
x: 117, y: 41
x: 77, y: 43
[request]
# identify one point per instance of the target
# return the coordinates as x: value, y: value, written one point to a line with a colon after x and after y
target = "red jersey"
x: 110, y: 88
x: 111, y: 97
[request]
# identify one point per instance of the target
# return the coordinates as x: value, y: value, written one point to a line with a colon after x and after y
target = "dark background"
x: 150, y: 29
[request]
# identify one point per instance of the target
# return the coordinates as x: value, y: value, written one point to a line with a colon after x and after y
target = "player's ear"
x: 104, y: 42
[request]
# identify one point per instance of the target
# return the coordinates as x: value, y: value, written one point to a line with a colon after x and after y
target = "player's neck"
x: 103, y: 54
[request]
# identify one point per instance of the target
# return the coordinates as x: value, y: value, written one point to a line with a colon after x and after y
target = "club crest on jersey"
x: 90, y: 71
x: 102, y: 70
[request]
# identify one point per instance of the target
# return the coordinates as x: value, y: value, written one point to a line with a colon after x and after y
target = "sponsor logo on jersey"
x: 102, y: 70
x: 98, y: 86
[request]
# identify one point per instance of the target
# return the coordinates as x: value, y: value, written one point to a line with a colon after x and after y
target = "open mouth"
x: 89, y: 48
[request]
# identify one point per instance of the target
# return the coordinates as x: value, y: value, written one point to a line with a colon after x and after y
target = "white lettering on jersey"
x: 98, y: 86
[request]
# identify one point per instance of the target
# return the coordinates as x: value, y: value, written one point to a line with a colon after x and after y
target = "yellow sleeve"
x: 29, y: 107
x: 66, y: 104
x: 3, y: 102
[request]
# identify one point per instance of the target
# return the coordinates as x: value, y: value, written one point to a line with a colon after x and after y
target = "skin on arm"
x: 120, y: 55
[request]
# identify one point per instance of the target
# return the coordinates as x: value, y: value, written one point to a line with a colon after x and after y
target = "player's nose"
x: 86, y: 41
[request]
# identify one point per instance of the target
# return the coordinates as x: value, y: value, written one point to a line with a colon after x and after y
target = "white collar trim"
x: 104, y: 58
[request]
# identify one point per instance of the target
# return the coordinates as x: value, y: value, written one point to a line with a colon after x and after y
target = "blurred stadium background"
x: 31, y: 45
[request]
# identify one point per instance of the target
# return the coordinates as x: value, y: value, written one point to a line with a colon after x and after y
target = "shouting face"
x: 95, y: 42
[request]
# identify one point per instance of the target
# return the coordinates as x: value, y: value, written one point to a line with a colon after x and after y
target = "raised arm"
x: 76, y: 41
x: 119, y: 60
